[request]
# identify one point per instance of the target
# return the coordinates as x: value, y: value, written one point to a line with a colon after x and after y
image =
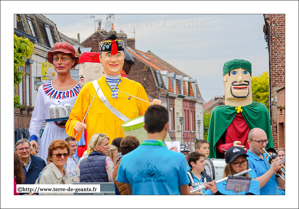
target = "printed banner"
x: 48, y: 71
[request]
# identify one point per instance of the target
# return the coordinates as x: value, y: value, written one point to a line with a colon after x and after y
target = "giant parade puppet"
x: 91, y: 69
x: 103, y: 105
x: 230, y: 123
x: 59, y: 92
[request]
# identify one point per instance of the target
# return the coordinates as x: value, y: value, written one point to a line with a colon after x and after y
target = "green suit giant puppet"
x: 230, y: 123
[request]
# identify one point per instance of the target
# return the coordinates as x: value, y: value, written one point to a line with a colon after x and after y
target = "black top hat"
x: 233, y: 152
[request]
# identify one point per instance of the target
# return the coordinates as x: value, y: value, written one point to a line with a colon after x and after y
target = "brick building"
x: 274, y: 30
x: 218, y: 100
x: 179, y: 94
x: 94, y: 39
x: 281, y: 117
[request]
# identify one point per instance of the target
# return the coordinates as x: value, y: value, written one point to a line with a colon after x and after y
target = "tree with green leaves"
x: 206, y: 122
x: 23, y: 49
x: 260, y: 89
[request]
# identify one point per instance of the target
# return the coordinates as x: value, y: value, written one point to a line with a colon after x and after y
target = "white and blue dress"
x: 46, y: 96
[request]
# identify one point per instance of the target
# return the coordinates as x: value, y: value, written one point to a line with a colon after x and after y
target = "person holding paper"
x: 110, y: 108
x: 236, y: 162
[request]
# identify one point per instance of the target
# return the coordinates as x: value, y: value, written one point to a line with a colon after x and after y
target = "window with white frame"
x: 31, y: 26
x: 21, y: 92
x: 177, y: 120
x: 185, y: 121
x: 170, y: 120
x: 16, y: 20
x: 191, y: 118
x: 27, y: 83
x: 159, y: 78
x: 49, y: 36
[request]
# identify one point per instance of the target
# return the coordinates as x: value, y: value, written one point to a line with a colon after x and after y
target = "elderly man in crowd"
x: 32, y: 165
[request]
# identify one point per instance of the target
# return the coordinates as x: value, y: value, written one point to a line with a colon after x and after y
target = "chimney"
x: 78, y: 37
x: 100, y: 25
x: 131, y: 43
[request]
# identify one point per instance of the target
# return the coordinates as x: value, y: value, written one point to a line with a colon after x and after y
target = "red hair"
x: 58, y: 143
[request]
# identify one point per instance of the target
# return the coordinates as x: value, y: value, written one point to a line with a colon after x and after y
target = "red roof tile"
x: 153, y: 63
x: 170, y: 85
x: 191, y: 93
x: 185, y: 90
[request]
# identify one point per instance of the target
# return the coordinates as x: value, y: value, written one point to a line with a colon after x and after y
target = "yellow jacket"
x: 100, y: 119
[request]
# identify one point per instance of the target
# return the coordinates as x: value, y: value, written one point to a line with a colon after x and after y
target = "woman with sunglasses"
x: 62, y: 90
x: 55, y: 173
x: 98, y: 166
x: 236, y: 162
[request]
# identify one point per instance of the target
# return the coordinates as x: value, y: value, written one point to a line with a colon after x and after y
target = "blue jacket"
x: 93, y: 169
x: 36, y: 166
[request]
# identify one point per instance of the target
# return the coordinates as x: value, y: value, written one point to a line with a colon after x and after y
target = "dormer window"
x: 31, y: 26
x: 159, y: 78
x: 50, y: 38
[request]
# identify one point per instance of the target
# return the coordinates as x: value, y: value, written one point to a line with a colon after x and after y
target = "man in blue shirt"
x: 152, y: 169
x: 261, y: 170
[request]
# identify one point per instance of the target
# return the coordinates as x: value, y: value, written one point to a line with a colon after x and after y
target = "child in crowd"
x: 197, y: 174
x: 202, y: 146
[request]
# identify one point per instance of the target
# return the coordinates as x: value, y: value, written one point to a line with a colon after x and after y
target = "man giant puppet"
x: 110, y: 108
x: 230, y: 123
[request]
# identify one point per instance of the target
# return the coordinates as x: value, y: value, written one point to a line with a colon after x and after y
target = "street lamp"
x: 198, y: 124
x: 181, y: 122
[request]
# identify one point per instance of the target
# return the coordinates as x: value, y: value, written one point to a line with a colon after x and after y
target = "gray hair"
x: 22, y: 141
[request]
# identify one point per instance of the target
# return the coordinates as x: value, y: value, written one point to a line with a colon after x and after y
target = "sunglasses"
x: 65, y: 155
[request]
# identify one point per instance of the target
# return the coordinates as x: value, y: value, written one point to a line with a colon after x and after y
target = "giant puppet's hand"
x: 79, y: 126
x: 156, y: 102
x: 239, y: 144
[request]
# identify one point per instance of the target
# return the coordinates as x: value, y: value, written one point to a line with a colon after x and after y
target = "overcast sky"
x: 198, y: 45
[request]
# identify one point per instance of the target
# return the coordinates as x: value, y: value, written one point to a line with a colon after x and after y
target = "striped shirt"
x: 112, y: 81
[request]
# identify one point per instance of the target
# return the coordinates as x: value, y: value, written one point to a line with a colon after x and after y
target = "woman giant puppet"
x: 62, y: 90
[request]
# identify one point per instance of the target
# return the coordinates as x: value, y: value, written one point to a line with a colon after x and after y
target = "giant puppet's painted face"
x: 112, y: 64
x: 237, y: 87
x: 89, y: 71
